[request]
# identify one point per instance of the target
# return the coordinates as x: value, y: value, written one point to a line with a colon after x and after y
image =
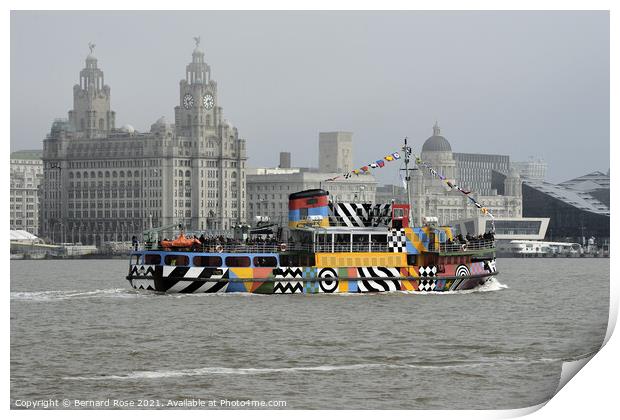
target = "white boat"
x: 526, y: 248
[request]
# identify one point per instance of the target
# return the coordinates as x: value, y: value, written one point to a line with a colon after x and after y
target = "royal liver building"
x: 103, y: 183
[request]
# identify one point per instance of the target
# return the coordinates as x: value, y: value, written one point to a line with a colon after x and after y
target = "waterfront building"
x: 534, y: 169
x: 431, y: 196
x: 575, y: 215
x: 268, y: 188
x: 102, y: 183
x: 506, y: 228
x: 26, y: 169
x: 474, y: 170
x: 386, y: 193
x: 595, y: 183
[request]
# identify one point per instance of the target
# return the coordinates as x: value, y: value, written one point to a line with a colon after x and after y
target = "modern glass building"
x: 575, y: 215
x: 506, y: 228
x: 474, y: 170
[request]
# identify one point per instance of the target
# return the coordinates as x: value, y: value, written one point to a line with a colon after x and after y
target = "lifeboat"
x: 180, y: 242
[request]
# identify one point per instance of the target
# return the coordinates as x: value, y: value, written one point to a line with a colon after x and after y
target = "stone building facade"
x: 268, y: 190
x: 432, y: 197
x: 26, y: 174
x: 102, y: 183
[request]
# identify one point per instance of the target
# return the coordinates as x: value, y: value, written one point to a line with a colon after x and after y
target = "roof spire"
x: 436, y: 129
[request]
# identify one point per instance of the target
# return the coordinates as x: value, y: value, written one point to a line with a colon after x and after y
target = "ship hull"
x: 308, y: 286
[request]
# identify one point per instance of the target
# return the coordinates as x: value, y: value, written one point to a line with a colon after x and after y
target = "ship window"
x: 207, y: 261
x: 136, y: 258
x: 238, y: 261
x: 265, y: 262
x: 289, y: 260
x: 379, y: 239
x: 410, y: 259
x: 152, y: 259
x: 173, y: 259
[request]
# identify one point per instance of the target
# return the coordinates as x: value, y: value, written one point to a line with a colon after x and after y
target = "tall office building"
x: 102, y: 183
x: 335, y: 152
x: 533, y: 169
x: 475, y: 170
x: 26, y: 174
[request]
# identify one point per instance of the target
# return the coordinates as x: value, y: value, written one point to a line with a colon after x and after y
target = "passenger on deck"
x: 134, y: 242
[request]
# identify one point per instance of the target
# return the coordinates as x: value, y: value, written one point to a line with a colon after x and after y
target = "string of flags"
x: 396, y: 156
x: 366, y: 168
x: 453, y: 186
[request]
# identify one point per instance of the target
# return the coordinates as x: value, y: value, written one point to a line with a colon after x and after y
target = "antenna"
x: 407, y: 151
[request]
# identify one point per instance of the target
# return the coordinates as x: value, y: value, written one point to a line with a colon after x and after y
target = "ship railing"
x: 469, y: 246
x: 351, y: 247
x: 257, y: 248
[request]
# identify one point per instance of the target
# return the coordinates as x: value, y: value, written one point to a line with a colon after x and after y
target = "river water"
x: 78, y: 332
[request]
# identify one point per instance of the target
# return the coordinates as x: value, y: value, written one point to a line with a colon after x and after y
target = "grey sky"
x: 516, y: 83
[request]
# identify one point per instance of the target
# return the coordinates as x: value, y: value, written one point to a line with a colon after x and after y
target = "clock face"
x: 188, y: 101
x: 208, y: 101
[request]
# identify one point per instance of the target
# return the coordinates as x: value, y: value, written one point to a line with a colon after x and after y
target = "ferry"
x: 331, y: 247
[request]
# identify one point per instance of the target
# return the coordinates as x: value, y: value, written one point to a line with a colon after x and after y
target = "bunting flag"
x: 380, y: 163
x: 453, y: 186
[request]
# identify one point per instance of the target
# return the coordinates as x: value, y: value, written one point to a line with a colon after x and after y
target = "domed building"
x: 437, y: 151
x: 473, y: 172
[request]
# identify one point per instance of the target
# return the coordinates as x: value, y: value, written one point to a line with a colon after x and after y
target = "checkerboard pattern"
x: 428, y: 271
x: 427, y: 285
x: 397, y: 240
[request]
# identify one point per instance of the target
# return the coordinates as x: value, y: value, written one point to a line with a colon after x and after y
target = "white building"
x: 107, y: 184
x: 26, y: 174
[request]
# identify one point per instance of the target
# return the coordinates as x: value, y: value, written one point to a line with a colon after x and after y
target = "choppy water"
x: 79, y: 332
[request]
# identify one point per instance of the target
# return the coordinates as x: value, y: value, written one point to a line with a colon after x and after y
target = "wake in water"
x: 491, y: 285
x: 57, y: 295
x: 204, y: 371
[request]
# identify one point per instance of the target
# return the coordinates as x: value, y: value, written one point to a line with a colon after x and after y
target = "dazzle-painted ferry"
x: 332, y: 247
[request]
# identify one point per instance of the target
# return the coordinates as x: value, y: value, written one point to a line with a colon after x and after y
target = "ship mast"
x: 407, y: 151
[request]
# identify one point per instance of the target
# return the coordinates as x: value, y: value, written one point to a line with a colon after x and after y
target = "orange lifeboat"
x: 180, y: 242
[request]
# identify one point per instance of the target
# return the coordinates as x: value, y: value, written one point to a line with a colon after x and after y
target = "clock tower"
x: 197, y: 113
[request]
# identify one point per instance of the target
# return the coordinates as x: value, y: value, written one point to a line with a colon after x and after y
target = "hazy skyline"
x: 515, y: 83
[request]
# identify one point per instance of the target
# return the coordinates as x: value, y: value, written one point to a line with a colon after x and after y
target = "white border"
x: 593, y: 394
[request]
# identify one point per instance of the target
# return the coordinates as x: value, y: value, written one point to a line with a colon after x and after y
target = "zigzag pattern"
x: 288, y: 287
x: 142, y: 270
x: 141, y: 284
x: 288, y: 273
